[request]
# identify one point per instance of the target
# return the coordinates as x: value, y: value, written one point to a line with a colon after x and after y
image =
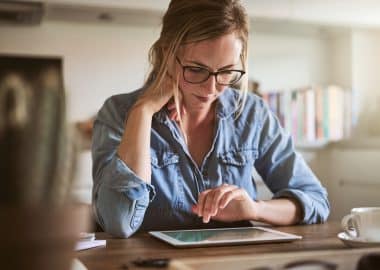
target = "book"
x: 310, y: 116
x: 314, y: 114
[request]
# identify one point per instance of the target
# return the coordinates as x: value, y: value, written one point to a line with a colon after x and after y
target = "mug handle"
x: 350, y: 225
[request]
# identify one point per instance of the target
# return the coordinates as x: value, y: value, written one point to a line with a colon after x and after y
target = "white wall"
x: 280, y: 61
x: 366, y: 80
x: 99, y: 60
x: 340, y: 59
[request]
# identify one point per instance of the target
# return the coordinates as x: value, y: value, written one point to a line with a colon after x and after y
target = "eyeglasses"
x: 195, y: 74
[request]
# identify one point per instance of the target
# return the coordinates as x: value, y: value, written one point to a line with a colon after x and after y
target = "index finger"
x: 201, y: 201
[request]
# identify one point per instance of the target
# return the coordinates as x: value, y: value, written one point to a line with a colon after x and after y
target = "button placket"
x: 205, y: 178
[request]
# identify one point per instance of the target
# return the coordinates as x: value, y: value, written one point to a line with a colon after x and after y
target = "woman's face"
x: 218, y: 54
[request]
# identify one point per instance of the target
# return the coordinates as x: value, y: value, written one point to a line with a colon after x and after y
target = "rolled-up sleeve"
x: 286, y: 173
x: 120, y: 197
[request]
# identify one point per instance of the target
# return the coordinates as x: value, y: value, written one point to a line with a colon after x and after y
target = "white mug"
x: 363, y: 223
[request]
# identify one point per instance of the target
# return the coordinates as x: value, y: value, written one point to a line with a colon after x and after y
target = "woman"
x: 179, y: 152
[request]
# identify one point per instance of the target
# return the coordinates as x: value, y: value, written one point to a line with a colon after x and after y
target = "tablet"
x: 223, y: 236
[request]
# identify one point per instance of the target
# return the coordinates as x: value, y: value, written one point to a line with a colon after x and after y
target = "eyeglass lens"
x: 198, y: 75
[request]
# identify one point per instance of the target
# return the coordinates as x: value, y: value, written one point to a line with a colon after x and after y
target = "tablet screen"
x: 220, y: 235
x: 224, y: 236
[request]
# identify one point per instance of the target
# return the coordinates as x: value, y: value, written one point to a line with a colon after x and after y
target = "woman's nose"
x: 210, y: 86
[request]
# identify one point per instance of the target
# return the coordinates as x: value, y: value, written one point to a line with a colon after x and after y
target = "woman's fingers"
x: 154, y: 98
x: 209, y: 201
x: 231, y: 195
x: 218, y: 195
x: 225, y: 203
x: 206, y: 213
x: 201, y: 200
x: 170, y: 106
x: 173, y: 113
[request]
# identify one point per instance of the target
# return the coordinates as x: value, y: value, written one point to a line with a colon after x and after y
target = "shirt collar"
x: 227, y: 103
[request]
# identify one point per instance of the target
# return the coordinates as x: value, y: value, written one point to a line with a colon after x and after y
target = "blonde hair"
x: 189, y: 21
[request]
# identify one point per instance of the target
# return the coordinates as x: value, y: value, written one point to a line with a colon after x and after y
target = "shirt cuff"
x: 121, y: 178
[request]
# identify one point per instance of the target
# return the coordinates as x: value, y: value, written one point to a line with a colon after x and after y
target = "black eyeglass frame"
x: 211, y: 73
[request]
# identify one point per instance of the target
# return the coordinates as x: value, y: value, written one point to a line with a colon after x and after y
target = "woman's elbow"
x: 115, y: 213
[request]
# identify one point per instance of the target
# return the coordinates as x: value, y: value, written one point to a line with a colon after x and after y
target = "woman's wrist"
x: 257, y: 207
x: 142, y: 109
x: 281, y: 211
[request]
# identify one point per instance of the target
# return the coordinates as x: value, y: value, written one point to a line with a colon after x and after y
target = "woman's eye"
x: 196, y: 70
x: 226, y: 72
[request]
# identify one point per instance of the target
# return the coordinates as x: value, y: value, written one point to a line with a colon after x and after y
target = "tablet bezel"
x: 280, y: 237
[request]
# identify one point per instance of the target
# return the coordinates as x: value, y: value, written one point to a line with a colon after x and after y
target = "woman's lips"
x: 203, y: 99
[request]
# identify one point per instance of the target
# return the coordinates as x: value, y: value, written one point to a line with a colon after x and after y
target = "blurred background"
x: 301, y: 53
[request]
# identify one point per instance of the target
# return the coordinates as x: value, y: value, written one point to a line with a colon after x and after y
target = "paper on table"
x: 86, y: 244
x: 86, y: 236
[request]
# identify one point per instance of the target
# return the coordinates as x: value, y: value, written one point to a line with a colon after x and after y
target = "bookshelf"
x: 315, y: 115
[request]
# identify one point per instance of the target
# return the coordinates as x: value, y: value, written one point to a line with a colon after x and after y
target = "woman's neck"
x: 194, y: 118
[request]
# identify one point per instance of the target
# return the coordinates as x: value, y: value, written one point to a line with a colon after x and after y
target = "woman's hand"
x: 173, y: 113
x: 226, y: 203
x: 152, y: 101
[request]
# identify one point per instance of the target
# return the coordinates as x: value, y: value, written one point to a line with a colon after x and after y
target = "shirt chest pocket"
x: 163, y: 159
x: 167, y: 180
x: 236, y: 166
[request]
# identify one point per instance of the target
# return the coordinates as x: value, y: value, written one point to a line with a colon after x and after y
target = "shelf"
x: 360, y: 143
x: 312, y: 145
x: 369, y: 143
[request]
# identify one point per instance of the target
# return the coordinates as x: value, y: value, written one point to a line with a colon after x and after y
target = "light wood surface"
x: 119, y: 253
x: 346, y: 259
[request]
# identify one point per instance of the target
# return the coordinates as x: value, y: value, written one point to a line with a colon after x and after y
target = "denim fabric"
x: 124, y: 203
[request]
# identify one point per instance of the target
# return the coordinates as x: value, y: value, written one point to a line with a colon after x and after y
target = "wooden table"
x: 119, y: 253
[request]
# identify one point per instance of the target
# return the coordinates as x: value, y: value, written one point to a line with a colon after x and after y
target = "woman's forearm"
x: 134, y: 148
x: 284, y: 211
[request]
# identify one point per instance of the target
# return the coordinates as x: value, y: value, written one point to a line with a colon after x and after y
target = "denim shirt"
x: 124, y: 203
